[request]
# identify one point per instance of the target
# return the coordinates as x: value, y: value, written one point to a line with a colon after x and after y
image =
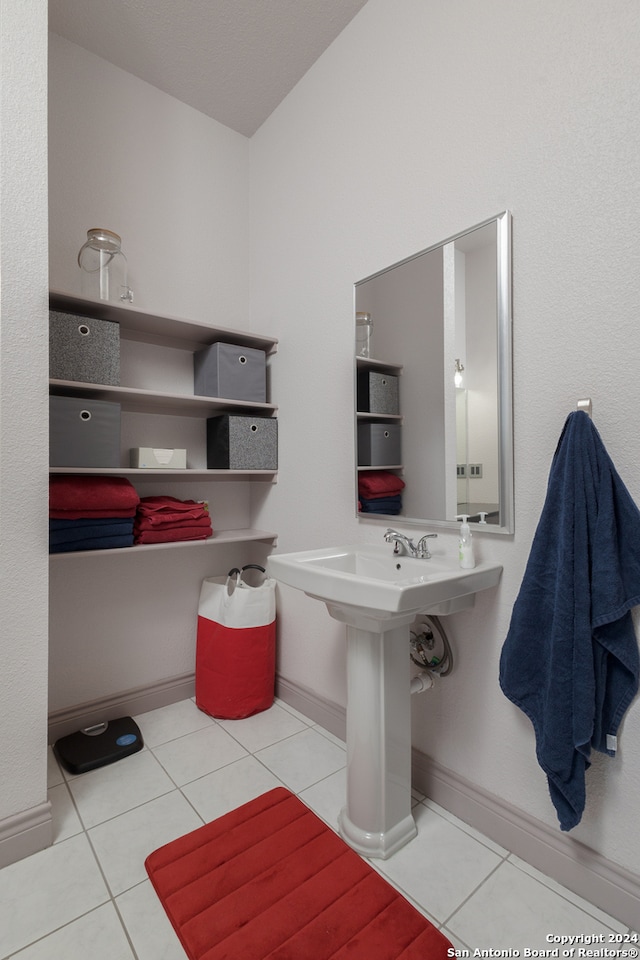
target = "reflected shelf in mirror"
x: 379, y: 364
x: 386, y: 466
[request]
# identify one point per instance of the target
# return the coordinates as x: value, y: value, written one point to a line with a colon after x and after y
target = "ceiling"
x: 233, y: 60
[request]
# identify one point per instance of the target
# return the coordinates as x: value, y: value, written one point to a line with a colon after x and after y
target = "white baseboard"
x: 25, y: 833
x: 127, y: 703
x: 329, y: 715
x: 568, y: 861
x: 571, y: 863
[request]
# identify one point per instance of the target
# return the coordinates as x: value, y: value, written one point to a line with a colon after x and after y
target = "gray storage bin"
x: 230, y: 371
x: 379, y: 444
x: 242, y: 443
x: 84, y: 349
x: 83, y: 433
x: 378, y: 392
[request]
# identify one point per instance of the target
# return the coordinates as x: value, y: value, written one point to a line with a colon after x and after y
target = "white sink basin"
x: 373, y: 580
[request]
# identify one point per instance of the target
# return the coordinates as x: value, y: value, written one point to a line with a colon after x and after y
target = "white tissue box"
x: 158, y: 458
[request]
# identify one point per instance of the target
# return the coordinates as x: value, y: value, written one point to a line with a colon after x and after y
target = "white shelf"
x: 170, y: 332
x: 219, y: 537
x: 381, y: 365
x: 158, y: 328
x: 365, y: 415
x: 189, y: 474
x: 137, y: 400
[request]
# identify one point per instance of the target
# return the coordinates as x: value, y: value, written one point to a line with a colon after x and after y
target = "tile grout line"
x: 214, y: 722
x: 110, y: 898
x: 502, y: 861
x: 27, y: 946
x: 562, y: 893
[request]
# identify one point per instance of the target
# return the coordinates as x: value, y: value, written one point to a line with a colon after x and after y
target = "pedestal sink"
x: 378, y: 595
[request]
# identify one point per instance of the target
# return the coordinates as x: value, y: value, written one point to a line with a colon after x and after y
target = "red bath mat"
x: 271, y: 880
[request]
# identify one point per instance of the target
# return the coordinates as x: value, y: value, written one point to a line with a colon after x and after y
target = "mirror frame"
x: 504, y: 324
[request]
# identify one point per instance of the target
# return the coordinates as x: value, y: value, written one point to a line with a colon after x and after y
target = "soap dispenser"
x: 467, y: 560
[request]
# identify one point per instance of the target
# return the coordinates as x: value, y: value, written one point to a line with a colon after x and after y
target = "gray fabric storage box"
x: 242, y: 443
x: 378, y: 392
x: 230, y: 371
x: 84, y: 349
x: 379, y: 444
x: 83, y: 433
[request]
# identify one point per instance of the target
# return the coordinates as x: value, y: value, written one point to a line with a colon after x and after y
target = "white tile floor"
x: 88, y: 895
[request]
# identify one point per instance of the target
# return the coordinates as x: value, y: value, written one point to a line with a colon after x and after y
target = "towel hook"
x: 585, y: 405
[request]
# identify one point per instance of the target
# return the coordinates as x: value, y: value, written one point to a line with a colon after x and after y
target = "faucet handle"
x: 423, y: 547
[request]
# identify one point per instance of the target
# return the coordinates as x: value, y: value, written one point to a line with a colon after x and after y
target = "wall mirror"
x: 433, y: 390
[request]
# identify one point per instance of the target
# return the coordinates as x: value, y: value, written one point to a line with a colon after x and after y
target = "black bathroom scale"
x: 98, y: 745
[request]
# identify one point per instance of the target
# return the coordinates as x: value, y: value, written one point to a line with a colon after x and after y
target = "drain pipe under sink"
x: 423, y: 681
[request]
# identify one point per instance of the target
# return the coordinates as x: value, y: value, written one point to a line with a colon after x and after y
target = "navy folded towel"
x: 76, y: 531
x: 67, y: 536
x: 83, y: 524
x: 391, y: 505
x: 96, y: 543
x: 570, y: 660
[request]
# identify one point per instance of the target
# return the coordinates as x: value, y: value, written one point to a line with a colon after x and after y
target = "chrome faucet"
x: 404, y: 544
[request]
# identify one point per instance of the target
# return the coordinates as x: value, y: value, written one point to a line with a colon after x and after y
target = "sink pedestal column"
x: 377, y: 819
x: 378, y: 595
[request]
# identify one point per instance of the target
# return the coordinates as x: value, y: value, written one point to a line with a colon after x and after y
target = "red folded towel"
x: 154, y: 523
x: 74, y: 496
x: 177, y: 533
x: 165, y: 509
x: 379, y: 483
x: 128, y: 513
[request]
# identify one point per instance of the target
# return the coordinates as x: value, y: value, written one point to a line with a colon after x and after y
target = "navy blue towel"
x: 76, y: 530
x: 97, y: 543
x: 390, y: 505
x: 84, y: 522
x: 67, y: 536
x: 570, y: 660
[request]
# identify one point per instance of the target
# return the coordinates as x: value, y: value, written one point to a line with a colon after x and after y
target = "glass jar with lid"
x: 364, y: 329
x: 103, y: 267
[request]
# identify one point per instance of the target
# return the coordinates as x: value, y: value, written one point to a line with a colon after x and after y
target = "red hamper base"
x: 271, y: 880
x: 235, y: 669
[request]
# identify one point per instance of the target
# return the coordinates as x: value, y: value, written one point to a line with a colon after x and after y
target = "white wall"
x: 23, y: 405
x: 481, y: 374
x: 174, y: 184
x: 421, y: 120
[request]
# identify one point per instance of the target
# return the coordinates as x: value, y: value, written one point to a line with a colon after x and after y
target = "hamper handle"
x: 250, y: 566
x: 247, y: 566
x: 238, y: 574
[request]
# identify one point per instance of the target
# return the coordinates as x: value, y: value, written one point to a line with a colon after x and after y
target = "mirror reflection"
x: 433, y: 384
